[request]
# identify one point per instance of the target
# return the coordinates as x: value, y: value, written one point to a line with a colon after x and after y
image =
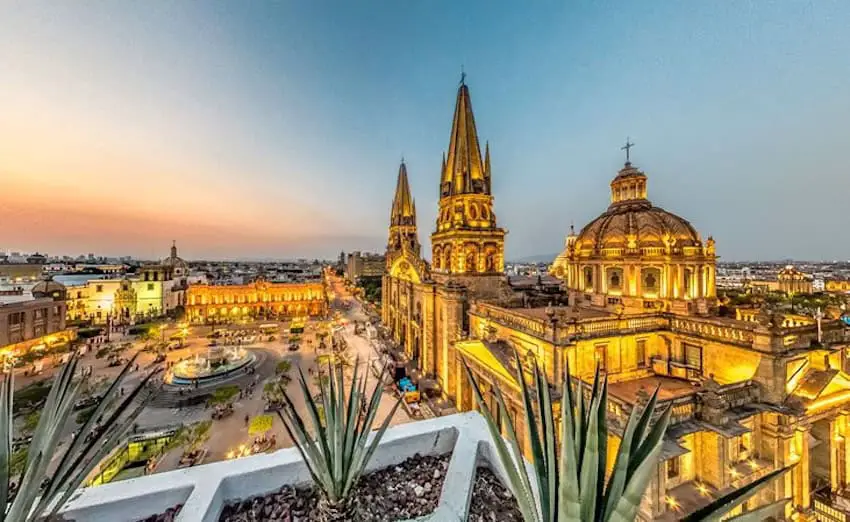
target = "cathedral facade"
x: 750, y: 392
x: 425, y: 306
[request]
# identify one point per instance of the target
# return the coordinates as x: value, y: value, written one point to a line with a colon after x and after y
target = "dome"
x: 637, y: 227
x: 49, y: 288
x: 632, y: 222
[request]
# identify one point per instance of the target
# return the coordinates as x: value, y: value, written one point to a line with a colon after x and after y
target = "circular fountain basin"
x: 220, y: 364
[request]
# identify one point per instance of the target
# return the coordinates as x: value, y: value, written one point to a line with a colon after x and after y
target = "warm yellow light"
x: 753, y: 464
x: 703, y: 489
x: 735, y: 473
x: 672, y: 502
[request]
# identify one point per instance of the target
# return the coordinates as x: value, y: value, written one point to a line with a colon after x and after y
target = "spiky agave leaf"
x: 102, y: 443
x: 337, y: 453
x: 77, y: 460
x: 569, y: 502
x: 513, y: 463
x: 6, y: 420
x: 723, y: 505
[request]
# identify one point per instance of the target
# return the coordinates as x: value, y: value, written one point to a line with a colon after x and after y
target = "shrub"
x: 88, y: 333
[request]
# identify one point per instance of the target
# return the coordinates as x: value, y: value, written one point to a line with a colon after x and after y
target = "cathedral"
x: 750, y: 392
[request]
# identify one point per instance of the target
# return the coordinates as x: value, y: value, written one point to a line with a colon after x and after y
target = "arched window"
x: 651, y: 278
x: 471, y: 258
x: 473, y: 211
x: 490, y: 261
x: 447, y: 258
x: 615, y: 279
x: 437, y: 258
x: 588, y: 278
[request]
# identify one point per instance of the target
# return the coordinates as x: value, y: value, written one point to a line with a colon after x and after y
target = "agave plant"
x: 335, y: 449
x: 41, y: 493
x: 571, y: 487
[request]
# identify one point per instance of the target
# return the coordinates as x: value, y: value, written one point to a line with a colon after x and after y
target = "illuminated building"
x: 36, y: 322
x: 639, y: 256
x: 837, y: 286
x: 156, y: 290
x: 225, y: 303
x: 749, y: 394
x: 425, y: 306
x: 788, y: 280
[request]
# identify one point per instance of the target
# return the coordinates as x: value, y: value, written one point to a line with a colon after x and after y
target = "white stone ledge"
x: 204, y: 490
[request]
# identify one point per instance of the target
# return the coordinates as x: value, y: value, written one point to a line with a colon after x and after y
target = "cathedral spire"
x: 404, y: 209
x: 465, y: 171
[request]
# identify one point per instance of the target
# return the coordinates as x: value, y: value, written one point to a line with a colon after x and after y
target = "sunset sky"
x: 259, y: 129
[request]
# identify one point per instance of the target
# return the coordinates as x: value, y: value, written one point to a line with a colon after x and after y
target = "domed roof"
x: 174, y: 261
x: 632, y: 222
x: 48, y: 288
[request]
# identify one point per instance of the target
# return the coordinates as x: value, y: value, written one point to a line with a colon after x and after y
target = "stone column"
x: 802, y: 493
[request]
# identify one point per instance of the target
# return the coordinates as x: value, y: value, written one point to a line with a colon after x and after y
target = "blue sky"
x: 259, y: 129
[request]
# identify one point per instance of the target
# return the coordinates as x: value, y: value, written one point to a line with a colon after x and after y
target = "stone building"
x: 260, y: 299
x: 789, y: 280
x: 425, y: 307
x: 749, y: 395
x: 33, y: 322
x: 156, y: 290
x: 364, y: 265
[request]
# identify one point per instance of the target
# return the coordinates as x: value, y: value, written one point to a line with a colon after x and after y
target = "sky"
x: 275, y: 129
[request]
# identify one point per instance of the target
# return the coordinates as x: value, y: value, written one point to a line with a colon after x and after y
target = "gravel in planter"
x: 169, y: 515
x: 491, y: 500
x: 409, y: 490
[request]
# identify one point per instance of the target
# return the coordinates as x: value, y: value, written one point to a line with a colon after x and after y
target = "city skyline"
x: 276, y: 132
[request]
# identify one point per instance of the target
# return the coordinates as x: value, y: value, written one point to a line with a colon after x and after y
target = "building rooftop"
x: 563, y: 313
x: 670, y: 388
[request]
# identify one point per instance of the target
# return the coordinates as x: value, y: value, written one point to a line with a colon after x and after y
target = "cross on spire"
x: 627, y: 147
x: 462, y: 75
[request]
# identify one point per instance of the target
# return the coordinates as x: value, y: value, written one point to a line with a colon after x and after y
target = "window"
x: 79, y: 295
x: 601, y: 356
x: 41, y: 313
x: 673, y: 468
x: 588, y: 278
x: 693, y: 356
x: 615, y: 279
x: 641, y: 353
x: 98, y: 288
x: 650, y: 280
x: 150, y: 287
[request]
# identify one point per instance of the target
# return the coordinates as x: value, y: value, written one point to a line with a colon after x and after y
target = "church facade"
x: 750, y: 392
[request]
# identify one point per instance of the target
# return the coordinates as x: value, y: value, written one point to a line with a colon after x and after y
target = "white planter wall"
x: 204, y: 490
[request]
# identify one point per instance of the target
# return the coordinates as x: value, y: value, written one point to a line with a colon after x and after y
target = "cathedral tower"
x: 467, y: 240
x: 403, y: 234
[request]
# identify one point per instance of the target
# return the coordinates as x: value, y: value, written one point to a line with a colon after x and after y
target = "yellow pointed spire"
x: 404, y: 209
x: 464, y: 171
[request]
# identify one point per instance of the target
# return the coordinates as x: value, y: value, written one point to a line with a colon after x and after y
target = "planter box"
x: 204, y: 490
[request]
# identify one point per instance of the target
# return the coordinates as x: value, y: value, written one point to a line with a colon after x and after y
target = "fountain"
x: 219, y: 363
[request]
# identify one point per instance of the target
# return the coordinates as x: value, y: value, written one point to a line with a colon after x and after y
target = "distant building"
x: 364, y: 265
x: 838, y: 286
x: 21, y: 272
x: 261, y: 299
x: 788, y: 280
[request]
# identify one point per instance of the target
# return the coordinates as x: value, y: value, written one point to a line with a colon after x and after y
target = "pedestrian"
x: 246, y: 419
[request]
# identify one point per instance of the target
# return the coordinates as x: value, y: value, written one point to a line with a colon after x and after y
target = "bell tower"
x: 403, y: 234
x: 467, y: 240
